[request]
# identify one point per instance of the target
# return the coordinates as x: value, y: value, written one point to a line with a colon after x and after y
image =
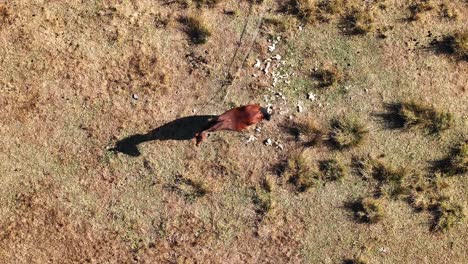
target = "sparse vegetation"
x: 100, y: 101
x: 448, y: 11
x: 358, y: 21
x: 308, y: 132
x: 261, y: 200
x: 456, y: 162
x: 197, y: 29
x: 347, y: 132
x: 301, y: 172
x: 459, y: 44
x: 369, y: 210
x: 357, y: 260
x: 209, y: 3
x: 277, y: 23
x: 419, y: 8
x: 332, y: 169
x: 303, y: 9
x: 365, y: 166
x: 448, y: 214
x: 412, y: 114
x: 455, y: 44
x: 393, y: 180
x: 327, y: 9
x: 327, y: 77
x: 190, y: 190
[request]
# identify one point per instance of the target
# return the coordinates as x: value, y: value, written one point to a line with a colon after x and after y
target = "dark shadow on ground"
x: 183, y: 128
x: 391, y: 118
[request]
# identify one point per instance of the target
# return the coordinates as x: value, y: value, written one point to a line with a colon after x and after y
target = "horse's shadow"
x: 183, y: 128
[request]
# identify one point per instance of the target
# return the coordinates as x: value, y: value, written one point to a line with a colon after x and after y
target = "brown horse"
x: 236, y: 119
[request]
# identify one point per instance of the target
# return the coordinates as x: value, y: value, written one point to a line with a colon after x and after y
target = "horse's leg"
x: 201, y: 136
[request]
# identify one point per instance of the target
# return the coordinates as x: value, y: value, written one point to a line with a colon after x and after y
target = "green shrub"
x: 413, y: 114
x: 358, y: 21
x: 346, y: 133
x: 301, y: 172
x: 369, y: 210
x: 448, y: 214
x: 332, y: 170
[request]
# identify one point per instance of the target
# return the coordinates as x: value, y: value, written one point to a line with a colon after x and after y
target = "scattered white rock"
x: 252, y: 138
x: 278, y: 145
x: 135, y: 96
x: 299, y: 107
x: 267, y: 67
x: 258, y: 63
x: 300, y: 27
x: 277, y: 57
x: 311, y: 96
x: 366, y: 90
x: 258, y: 129
x: 383, y: 250
x: 272, y: 47
x: 268, y: 142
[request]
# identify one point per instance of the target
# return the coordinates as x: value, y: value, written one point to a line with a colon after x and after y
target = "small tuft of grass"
x: 448, y: 215
x: 455, y: 45
x: 300, y: 172
x: 347, y: 133
x: 327, y: 77
x: 448, y: 11
x: 197, y: 29
x: 456, y: 162
x: 332, y: 169
x: 208, y: 3
x: 460, y: 45
x: 368, y: 210
x: 419, y: 200
x: 411, y: 114
x: 162, y: 20
x: 394, y: 182
x: 364, y: 166
x: 262, y: 201
x: 357, y: 21
x: 419, y: 8
x: 276, y: 23
x: 327, y: 9
x: 302, y: 9
x: 308, y: 132
x: 356, y: 260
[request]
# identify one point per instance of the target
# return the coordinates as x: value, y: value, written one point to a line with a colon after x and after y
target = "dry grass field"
x: 368, y: 156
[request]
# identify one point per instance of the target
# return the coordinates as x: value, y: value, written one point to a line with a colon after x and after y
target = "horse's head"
x: 265, y: 113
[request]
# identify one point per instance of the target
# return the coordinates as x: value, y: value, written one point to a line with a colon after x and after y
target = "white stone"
x: 311, y: 96
x: 268, y: 142
x: 272, y: 47
x: 252, y: 138
x: 258, y: 63
x: 277, y: 57
x: 299, y: 108
x: 267, y: 67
